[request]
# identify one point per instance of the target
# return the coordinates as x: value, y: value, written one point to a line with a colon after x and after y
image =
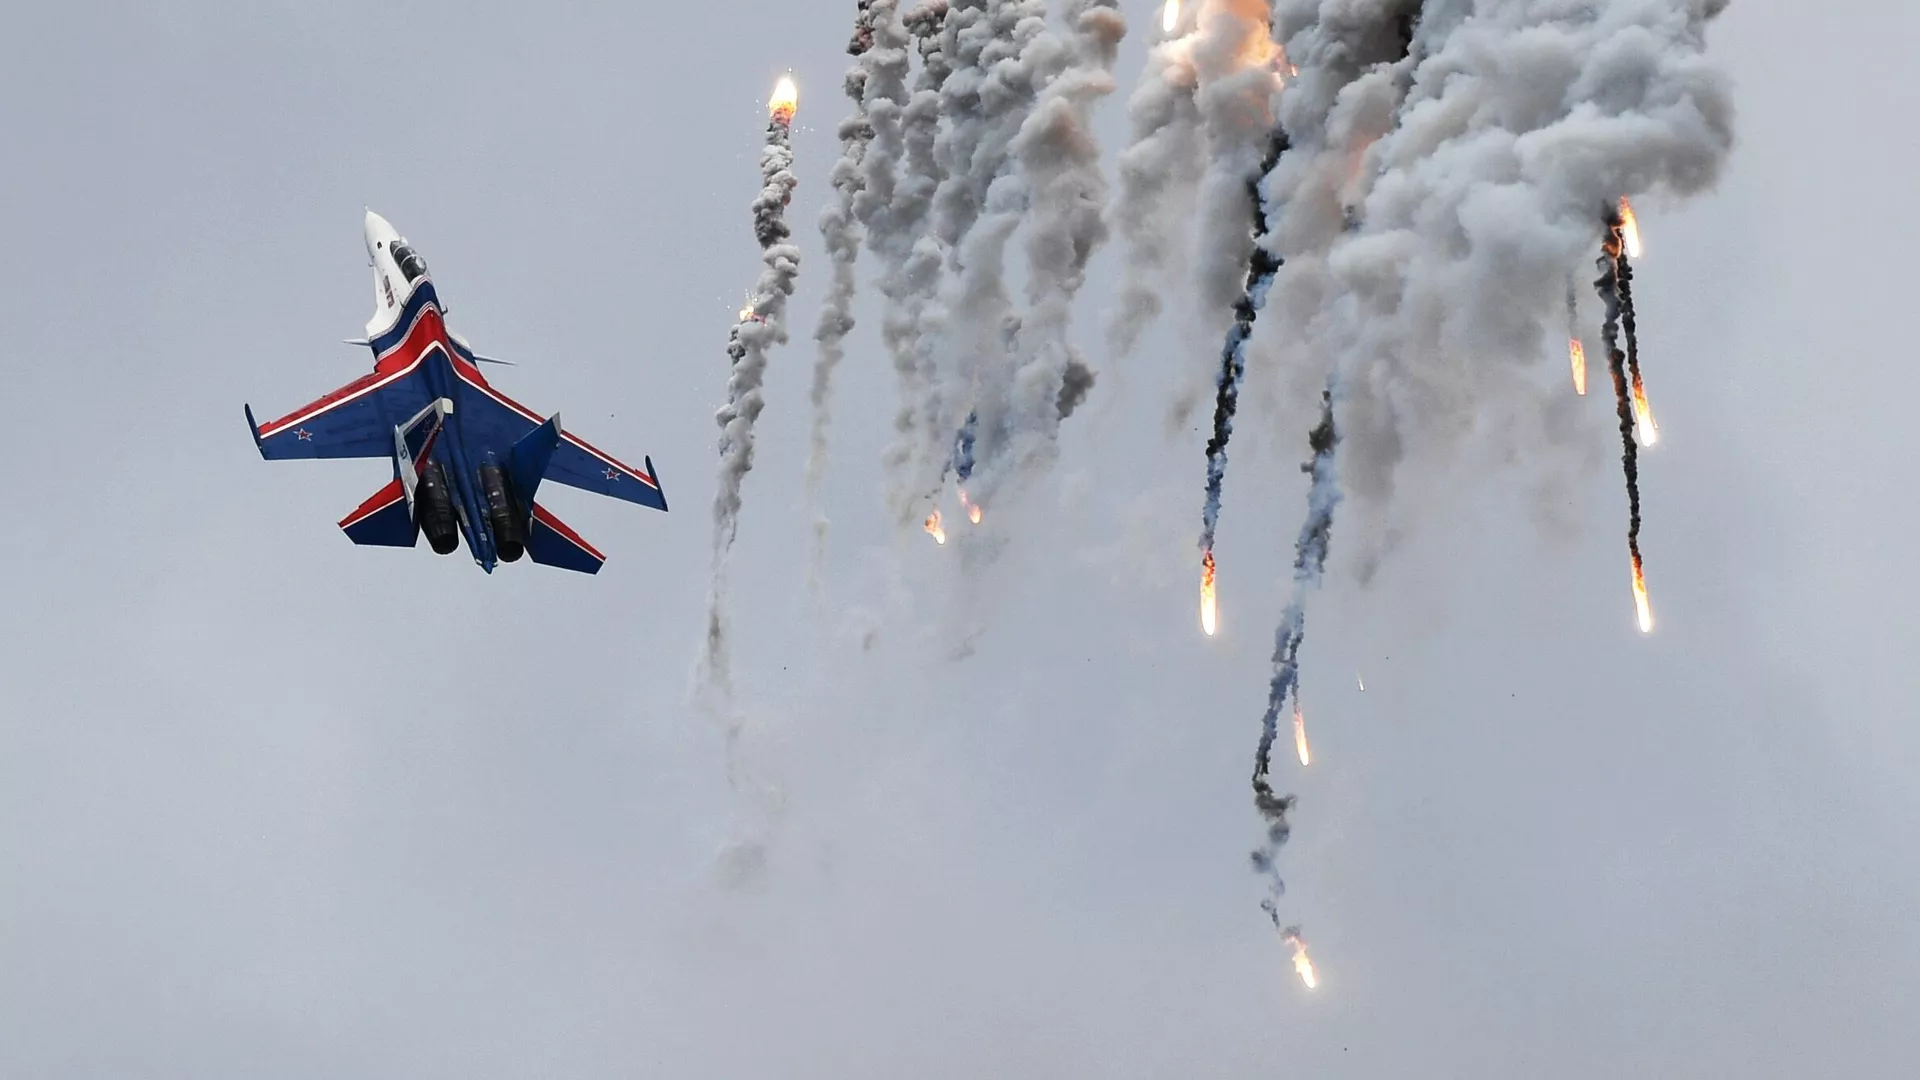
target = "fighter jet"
x: 467, y: 459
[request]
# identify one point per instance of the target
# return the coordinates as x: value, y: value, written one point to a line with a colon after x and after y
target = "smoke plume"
x: 1515, y: 122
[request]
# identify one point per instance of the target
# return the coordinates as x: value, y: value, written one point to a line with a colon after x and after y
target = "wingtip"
x: 658, y: 489
x: 254, y: 426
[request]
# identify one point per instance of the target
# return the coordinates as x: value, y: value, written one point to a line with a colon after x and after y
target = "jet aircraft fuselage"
x: 467, y: 459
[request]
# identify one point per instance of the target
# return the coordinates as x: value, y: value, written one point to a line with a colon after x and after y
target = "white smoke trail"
x: 762, y: 327
x: 841, y: 232
x: 1521, y: 124
x: 1158, y: 171
x: 1058, y: 165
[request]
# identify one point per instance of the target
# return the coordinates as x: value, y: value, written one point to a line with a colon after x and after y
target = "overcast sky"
x: 271, y: 805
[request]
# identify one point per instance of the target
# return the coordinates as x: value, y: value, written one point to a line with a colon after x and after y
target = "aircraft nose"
x: 376, y: 230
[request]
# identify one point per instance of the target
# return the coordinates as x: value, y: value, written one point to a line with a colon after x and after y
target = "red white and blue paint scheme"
x: 467, y: 459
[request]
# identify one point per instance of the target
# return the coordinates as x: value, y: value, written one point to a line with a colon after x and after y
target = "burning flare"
x: 1578, y: 354
x: 1170, y: 17
x: 973, y: 508
x: 1300, y: 733
x: 1640, y: 602
x: 1643, y: 421
x: 935, y: 529
x: 1629, y: 228
x: 1209, y: 600
x: 785, y: 101
x: 1302, y: 963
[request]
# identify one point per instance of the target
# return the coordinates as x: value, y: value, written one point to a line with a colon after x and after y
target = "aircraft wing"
x: 576, y: 463
x: 355, y: 421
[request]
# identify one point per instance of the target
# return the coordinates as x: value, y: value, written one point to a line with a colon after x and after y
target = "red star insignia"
x: 613, y: 474
x: 304, y: 435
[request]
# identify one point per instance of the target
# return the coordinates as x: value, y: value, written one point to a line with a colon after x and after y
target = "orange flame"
x: 1578, y: 354
x: 1629, y: 228
x: 1170, y: 17
x: 1643, y: 421
x: 934, y: 528
x: 785, y: 101
x: 1302, y: 963
x: 1640, y: 603
x: 973, y: 509
x: 1209, y: 600
x: 1300, y: 733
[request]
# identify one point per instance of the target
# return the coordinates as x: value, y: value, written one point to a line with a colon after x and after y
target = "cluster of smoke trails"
x: 1261, y: 269
x: 762, y: 326
x: 1057, y: 161
x: 966, y: 32
x: 1614, y: 275
x: 1310, y: 560
x: 978, y: 203
x: 1159, y: 162
x: 841, y: 232
x: 912, y: 256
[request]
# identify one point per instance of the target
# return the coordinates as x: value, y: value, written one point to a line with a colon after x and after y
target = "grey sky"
x: 271, y: 805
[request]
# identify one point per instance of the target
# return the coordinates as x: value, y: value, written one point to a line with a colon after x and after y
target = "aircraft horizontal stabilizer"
x: 385, y: 520
x: 551, y: 543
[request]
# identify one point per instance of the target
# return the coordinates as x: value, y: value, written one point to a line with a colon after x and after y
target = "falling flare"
x: 935, y: 529
x: 973, y: 509
x: 1578, y: 354
x: 1640, y: 602
x: 1643, y: 421
x: 1170, y: 17
x: 785, y: 101
x: 1300, y: 733
x: 1629, y: 228
x: 1302, y: 963
x: 1209, y: 601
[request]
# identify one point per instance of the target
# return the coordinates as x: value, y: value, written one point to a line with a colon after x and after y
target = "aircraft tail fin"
x: 385, y: 520
x: 551, y: 543
x: 527, y: 461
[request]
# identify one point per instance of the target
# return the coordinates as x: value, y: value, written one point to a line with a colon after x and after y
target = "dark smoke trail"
x: 1614, y: 289
x: 1261, y: 269
x: 1309, y: 562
